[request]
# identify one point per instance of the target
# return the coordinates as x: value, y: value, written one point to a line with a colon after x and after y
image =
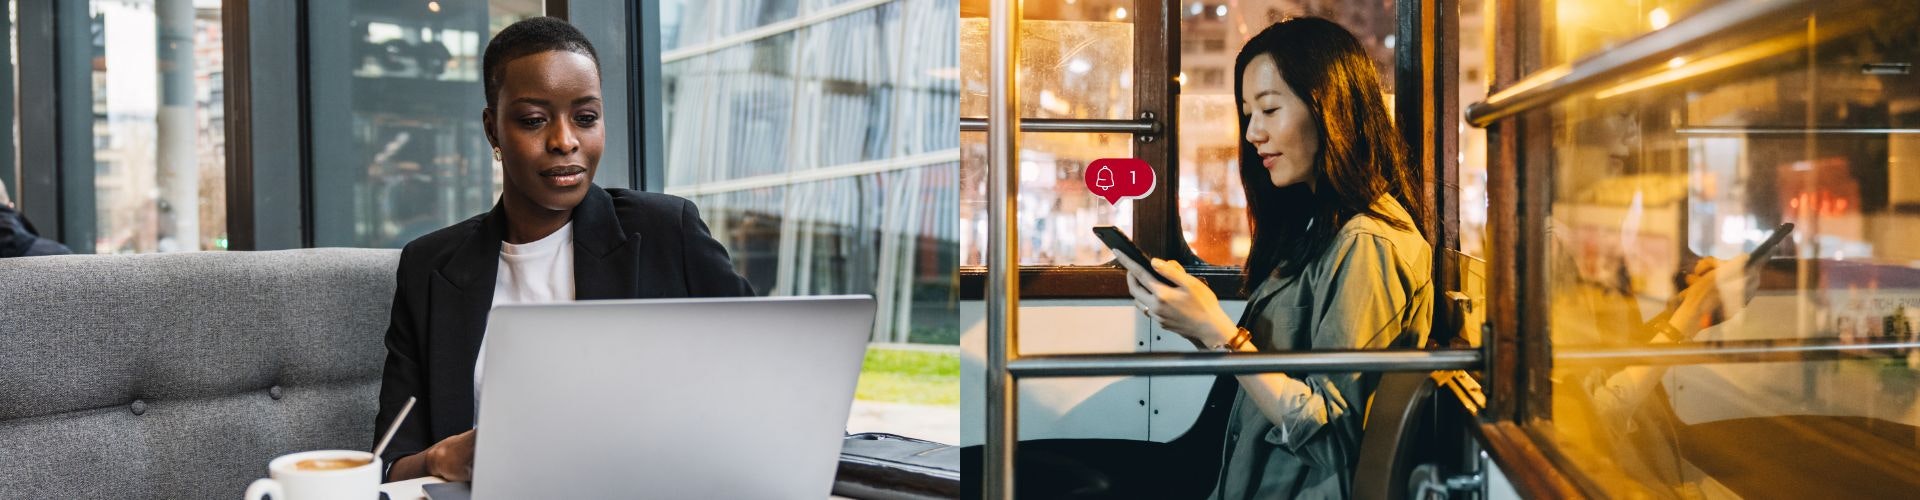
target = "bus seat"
x: 1387, y: 456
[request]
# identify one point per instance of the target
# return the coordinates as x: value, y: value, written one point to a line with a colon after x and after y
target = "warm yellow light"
x: 1120, y: 13
x: 1676, y: 62
x: 433, y: 6
x: 1659, y: 18
x: 1182, y: 78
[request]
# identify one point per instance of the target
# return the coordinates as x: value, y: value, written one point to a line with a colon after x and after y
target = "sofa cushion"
x: 181, y: 375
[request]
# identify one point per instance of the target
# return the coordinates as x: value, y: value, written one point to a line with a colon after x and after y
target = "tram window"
x: 1703, y: 157
x: 1213, y: 208
x: 1055, y: 211
x: 1077, y: 62
x: 1585, y: 27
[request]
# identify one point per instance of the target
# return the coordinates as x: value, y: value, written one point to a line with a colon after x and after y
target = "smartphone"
x: 1119, y: 242
x: 1760, y: 253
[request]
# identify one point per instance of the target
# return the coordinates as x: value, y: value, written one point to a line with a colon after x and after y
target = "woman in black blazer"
x: 542, y: 81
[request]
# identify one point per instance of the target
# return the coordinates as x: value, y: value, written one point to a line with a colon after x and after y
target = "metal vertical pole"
x: 1003, y: 266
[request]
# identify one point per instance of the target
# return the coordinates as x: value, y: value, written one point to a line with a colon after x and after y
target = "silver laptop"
x: 681, y: 398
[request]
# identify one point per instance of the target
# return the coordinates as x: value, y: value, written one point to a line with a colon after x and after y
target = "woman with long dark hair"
x: 1338, y: 260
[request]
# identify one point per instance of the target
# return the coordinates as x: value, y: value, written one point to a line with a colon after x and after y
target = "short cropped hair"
x: 527, y: 37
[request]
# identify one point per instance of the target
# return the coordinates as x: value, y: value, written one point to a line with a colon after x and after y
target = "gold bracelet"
x: 1240, y: 338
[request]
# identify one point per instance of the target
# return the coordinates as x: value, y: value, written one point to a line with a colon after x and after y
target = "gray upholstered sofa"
x: 180, y: 375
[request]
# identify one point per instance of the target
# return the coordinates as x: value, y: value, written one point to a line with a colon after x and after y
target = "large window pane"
x: 159, y: 126
x: 929, y: 79
x: 730, y: 113
x: 847, y: 68
x: 1213, y: 206
x: 1068, y: 69
x: 1583, y: 28
x: 399, y: 149
x: 1076, y: 62
x: 888, y: 234
x: 823, y: 155
x: 696, y: 23
x: 1817, y: 125
x: 1055, y: 210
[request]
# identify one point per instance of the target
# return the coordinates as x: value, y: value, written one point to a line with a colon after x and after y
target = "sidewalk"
x: 933, y: 423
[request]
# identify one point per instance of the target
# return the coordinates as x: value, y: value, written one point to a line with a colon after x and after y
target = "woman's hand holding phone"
x: 1188, y: 308
x: 1715, y: 290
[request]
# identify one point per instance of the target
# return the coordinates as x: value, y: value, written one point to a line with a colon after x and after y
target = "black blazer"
x: 626, y: 244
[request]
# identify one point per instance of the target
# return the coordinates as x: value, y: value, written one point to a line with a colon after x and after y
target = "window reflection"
x: 1586, y: 27
x: 1054, y: 208
x: 1076, y: 63
x: 401, y: 151
x: 846, y: 67
x: 730, y: 112
x: 696, y: 23
x: 1068, y: 69
x: 887, y: 234
x: 823, y: 156
x: 159, y: 126
x: 1701, y: 159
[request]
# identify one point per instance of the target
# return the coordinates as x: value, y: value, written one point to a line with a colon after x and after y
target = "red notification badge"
x: 1119, y: 179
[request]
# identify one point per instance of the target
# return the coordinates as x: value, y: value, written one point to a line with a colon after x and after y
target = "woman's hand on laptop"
x: 452, y: 458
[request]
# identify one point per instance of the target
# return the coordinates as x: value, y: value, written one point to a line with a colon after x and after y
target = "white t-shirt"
x: 530, y: 273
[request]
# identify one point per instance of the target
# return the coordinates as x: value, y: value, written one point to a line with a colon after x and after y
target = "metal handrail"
x: 1003, y: 158
x: 1794, y: 131
x: 1140, y: 126
x: 1744, y: 351
x: 1728, y: 21
x: 1101, y: 365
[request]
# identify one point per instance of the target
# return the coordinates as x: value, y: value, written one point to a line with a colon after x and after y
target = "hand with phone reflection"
x: 1715, y: 290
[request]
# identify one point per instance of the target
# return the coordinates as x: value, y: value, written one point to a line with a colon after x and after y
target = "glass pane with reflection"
x: 1582, y: 28
x: 847, y: 68
x: 730, y: 113
x: 1076, y: 62
x: 1055, y: 211
x: 159, y: 127
x: 1077, y: 68
x: 694, y: 24
x: 399, y: 151
x: 1663, y: 182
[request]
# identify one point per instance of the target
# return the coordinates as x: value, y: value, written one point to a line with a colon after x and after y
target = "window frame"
x: 268, y: 104
x: 55, y: 39
x: 1426, y: 93
x: 1517, y: 420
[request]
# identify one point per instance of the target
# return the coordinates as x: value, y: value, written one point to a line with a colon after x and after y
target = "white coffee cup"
x: 290, y: 482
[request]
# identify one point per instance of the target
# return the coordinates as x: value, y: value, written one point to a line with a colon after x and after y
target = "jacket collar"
x: 596, y: 235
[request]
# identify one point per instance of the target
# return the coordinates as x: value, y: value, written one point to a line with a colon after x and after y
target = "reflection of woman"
x: 1634, y: 425
x: 553, y: 236
x: 1338, y: 261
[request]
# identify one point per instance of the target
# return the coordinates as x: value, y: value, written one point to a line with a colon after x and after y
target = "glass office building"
x: 819, y: 140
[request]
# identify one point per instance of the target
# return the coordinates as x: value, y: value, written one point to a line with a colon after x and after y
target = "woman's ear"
x: 486, y: 121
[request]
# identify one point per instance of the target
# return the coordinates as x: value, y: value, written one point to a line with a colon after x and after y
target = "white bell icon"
x: 1104, y: 178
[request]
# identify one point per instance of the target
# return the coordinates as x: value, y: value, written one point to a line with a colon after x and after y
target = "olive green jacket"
x: 1372, y: 289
